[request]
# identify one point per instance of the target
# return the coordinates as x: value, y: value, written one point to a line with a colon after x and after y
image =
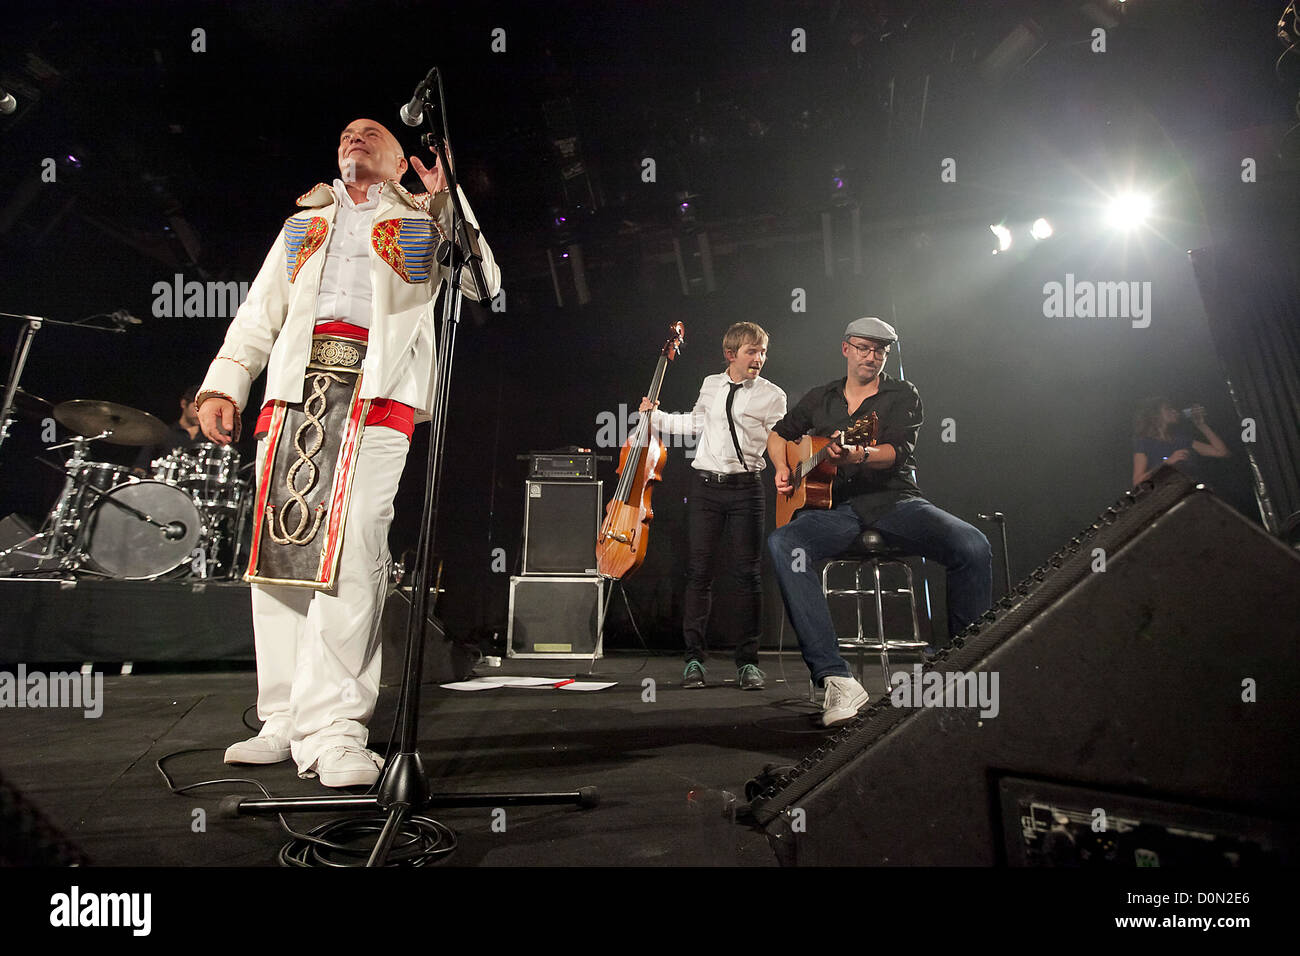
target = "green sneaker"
x: 750, y: 677
x: 693, y: 676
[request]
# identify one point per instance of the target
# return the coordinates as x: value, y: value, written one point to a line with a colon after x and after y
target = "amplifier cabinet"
x: 561, y: 521
x: 572, y: 467
x: 555, y: 617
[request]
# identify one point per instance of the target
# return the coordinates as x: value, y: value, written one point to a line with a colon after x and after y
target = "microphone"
x: 413, y: 111
x: 7, y: 102
x: 174, y: 531
x: 123, y: 317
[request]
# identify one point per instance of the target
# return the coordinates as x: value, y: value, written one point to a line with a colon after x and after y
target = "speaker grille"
x: 561, y: 520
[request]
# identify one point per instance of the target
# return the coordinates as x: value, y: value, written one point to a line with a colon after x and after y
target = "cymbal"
x: 28, y: 405
x: 129, y: 426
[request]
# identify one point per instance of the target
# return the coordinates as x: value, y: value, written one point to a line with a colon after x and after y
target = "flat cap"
x: 870, y: 327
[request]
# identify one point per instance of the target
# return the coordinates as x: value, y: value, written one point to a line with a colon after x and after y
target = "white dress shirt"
x: 344, y: 294
x: 757, y: 407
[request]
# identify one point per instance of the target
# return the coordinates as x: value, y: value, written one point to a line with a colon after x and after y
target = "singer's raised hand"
x: 435, y: 180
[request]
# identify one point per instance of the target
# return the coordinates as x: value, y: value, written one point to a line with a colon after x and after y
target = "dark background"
x: 175, y: 161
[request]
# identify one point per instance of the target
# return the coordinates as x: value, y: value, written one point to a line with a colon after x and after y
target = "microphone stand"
x: 404, y: 787
x: 1001, y: 521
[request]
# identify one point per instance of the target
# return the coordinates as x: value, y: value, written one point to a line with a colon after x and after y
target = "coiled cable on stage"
x: 346, y: 842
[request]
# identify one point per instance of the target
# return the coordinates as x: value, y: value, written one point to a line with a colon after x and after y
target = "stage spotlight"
x: 1041, y: 229
x: 1004, y: 237
x: 1128, y: 210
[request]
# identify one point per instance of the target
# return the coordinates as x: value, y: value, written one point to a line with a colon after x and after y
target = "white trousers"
x: 318, y: 652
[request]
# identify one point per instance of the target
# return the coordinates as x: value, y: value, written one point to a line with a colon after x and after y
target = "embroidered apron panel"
x: 309, y: 461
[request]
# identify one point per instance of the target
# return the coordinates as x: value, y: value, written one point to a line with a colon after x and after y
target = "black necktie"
x: 732, y: 425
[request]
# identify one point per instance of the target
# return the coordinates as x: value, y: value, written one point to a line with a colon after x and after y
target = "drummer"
x: 183, y: 434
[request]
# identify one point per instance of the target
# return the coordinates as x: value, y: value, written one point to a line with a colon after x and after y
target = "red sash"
x: 383, y: 411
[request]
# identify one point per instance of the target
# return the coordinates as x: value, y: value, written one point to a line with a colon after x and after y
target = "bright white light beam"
x: 1128, y: 210
x: 1004, y: 237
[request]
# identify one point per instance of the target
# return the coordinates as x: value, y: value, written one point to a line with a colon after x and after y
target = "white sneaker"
x: 259, y: 749
x: 844, y: 698
x: 348, y: 767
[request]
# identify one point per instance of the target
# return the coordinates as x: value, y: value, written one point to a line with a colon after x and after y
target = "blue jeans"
x: 916, y: 527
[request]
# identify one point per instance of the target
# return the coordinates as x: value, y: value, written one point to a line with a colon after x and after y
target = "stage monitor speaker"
x: 1132, y: 703
x: 554, y: 617
x: 444, y: 660
x: 561, y: 520
x: 28, y: 838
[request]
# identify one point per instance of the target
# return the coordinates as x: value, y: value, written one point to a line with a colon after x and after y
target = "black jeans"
x: 725, y: 523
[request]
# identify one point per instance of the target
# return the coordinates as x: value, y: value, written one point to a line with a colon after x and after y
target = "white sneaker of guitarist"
x: 844, y: 698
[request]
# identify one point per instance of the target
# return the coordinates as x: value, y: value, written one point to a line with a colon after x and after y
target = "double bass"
x: 625, y: 534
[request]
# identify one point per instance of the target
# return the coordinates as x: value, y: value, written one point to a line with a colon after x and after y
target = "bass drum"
x: 123, y: 546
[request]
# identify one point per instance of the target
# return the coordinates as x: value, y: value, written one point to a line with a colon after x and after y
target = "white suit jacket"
x: 272, y: 329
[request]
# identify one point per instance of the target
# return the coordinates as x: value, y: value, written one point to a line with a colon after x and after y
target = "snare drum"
x: 210, y: 473
x: 121, y: 544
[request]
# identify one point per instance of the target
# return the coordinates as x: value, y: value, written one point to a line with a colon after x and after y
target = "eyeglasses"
x: 872, y: 349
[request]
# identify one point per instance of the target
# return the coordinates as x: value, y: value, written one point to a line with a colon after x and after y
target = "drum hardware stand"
x: 241, y: 520
x: 55, y: 528
x: 403, y: 789
x: 32, y: 325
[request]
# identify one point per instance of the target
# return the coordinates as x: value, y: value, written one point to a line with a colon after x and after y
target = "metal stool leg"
x: 911, y: 597
x: 880, y: 625
x: 857, y: 605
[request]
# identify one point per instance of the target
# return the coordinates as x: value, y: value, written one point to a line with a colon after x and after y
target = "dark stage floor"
x: 95, y: 779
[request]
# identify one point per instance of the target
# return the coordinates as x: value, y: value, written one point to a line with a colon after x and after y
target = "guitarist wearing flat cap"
x: 864, y: 428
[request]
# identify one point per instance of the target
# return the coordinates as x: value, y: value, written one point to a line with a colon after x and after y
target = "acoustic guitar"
x: 811, y: 471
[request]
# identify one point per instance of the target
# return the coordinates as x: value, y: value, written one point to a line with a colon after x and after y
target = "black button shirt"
x: 897, y: 404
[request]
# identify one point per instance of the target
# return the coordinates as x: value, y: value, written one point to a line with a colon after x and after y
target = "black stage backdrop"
x: 176, y: 162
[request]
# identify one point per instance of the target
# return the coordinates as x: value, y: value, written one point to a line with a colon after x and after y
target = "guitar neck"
x: 812, y: 461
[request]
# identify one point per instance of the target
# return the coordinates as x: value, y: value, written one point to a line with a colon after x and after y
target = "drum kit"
x: 186, y: 519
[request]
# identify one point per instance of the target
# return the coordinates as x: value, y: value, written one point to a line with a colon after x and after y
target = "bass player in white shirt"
x: 731, y: 420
